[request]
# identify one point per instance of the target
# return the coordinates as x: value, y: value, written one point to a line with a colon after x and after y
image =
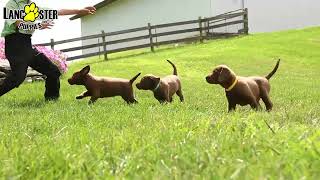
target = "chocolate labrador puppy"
x: 100, y: 87
x: 243, y: 90
x: 163, y: 88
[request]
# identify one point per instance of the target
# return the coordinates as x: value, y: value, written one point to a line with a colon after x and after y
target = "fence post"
x: 150, y: 36
x: 208, y: 29
x: 52, y: 43
x: 99, y: 47
x: 246, y: 21
x: 200, y: 27
x: 103, y: 35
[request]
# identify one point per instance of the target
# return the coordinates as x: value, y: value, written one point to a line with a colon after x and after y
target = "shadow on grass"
x: 123, y: 55
x: 145, y: 51
x: 119, y: 56
x: 30, y: 103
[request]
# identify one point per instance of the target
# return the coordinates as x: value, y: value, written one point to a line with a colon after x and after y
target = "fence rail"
x: 203, y: 26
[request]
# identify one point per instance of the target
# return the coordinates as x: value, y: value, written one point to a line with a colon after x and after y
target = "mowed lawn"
x: 196, y: 139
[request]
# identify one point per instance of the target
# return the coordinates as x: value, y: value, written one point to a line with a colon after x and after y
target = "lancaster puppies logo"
x: 31, y: 12
x: 29, y: 15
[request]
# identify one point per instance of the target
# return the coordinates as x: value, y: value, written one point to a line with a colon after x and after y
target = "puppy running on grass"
x: 243, y: 90
x: 163, y: 88
x: 100, y: 87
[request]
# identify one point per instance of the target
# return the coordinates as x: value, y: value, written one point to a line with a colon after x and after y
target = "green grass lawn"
x: 192, y: 140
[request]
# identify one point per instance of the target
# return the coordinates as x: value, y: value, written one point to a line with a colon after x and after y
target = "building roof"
x: 97, y: 6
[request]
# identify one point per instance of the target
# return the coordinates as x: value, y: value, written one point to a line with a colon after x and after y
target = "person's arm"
x: 84, y: 11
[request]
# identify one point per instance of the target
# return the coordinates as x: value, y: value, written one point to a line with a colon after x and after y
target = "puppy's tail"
x: 174, y: 68
x: 274, y: 70
x: 134, y: 78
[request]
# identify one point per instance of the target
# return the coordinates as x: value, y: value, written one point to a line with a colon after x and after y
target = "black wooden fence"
x: 204, y: 26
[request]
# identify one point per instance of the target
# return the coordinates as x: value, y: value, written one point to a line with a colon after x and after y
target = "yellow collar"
x: 232, y: 85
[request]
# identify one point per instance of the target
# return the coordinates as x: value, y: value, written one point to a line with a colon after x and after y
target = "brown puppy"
x: 100, y: 87
x: 163, y: 88
x: 243, y: 90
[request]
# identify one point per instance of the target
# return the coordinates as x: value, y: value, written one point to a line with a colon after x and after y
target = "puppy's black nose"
x: 208, y: 79
x: 70, y: 81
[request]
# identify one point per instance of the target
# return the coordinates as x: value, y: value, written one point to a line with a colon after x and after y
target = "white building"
x: 264, y: 15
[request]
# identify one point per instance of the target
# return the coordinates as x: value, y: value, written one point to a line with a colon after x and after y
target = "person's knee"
x: 17, y: 80
x: 54, y: 74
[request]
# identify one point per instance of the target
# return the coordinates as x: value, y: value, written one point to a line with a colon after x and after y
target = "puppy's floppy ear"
x: 85, y: 70
x: 224, y: 75
x: 156, y: 80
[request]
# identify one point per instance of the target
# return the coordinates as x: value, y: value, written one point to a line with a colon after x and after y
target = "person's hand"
x: 87, y: 11
x: 46, y: 25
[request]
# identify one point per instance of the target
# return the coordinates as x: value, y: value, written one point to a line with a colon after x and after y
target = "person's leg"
x: 15, y: 78
x: 17, y: 50
x: 44, y: 66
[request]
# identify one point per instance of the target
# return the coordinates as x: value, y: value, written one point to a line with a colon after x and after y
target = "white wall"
x: 264, y: 15
x: 275, y: 15
x: 223, y: 6
x: 125, y: 14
